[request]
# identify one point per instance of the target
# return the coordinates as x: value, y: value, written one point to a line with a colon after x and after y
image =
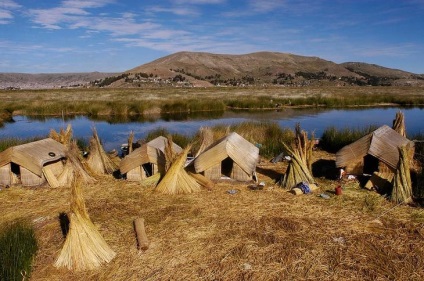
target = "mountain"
x: 203, y: 69
x: 195, y: 69
x: 49, y: 80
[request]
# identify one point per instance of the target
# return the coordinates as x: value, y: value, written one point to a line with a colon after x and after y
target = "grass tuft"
x: 18, y: 246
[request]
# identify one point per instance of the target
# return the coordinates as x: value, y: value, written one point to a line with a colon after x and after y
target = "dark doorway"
x: 370, y: 164
x: 148, y: 169
x: 227, y: 167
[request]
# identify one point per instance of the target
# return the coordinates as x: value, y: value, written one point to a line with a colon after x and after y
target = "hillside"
x: 49, y: 80
x: 270, y: 68
x: 198, y: 69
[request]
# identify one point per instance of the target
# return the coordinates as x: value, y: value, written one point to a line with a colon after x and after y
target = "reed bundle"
x: 74, y: 167
x: 84, y: 247
x: 130, y: 142
x: 170, y: 154
x: 402, y: 186
x: 177, y: 180
x: 206, y: 139
x: 63, y: 136
x: 399, y: 124
x: 299, y: 168
x: 152, y: 180
x: 98, y: 161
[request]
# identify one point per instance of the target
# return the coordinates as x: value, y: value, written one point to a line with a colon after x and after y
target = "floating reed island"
x: 189, y: 223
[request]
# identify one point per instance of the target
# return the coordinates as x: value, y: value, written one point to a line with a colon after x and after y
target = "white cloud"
x: 179, y: 11
x: 6, y: 10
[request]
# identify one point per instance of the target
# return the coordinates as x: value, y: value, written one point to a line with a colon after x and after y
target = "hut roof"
x: 34, y: 155
x: 151, y: 152
x: 242, y: 152
x: 383, y: 144
x: 160, y: 143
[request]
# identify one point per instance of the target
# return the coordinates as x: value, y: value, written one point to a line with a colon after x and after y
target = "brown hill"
x: 263, y: 67
x: 49, y: 80
x: 271, y: 68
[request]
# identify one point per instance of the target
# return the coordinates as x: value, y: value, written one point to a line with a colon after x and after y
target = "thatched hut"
x: 32, y: 164
x: 231, y: 156
x: 377, y: 151
x: 146, y: 160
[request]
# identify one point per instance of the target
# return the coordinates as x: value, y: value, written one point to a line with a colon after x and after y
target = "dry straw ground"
x: 267, y: 234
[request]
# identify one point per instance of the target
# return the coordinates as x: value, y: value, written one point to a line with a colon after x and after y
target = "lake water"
x: 113, y: 133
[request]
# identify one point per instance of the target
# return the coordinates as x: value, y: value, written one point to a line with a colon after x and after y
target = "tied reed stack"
x: 402, y: 186
x: 399, y: 124
x: 98, y: 161
x: 176, y: 180
x: 84, y: 247
x: 299, y: 168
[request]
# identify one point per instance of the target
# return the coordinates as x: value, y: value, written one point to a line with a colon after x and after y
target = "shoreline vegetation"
x: 153, y: 102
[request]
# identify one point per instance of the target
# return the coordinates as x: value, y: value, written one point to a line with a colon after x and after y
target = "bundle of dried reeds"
x: 73, y: 167
x: 151, y: 181
x: 299, y: 168
x: 402, y: 186
x: 63, y: 136
x: 84, y: 247
x: 177, y: 180
x: 399, y: 124
x: 202, y: 180
x: 130, y: 142
x: 98, y: 161
x: 206, y: 138
x: 170, y: 154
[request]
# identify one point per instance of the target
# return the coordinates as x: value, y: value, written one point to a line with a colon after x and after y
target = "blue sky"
x: 116, y: 35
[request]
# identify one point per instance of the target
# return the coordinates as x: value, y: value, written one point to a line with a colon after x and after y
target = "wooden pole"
x: 143, y: 242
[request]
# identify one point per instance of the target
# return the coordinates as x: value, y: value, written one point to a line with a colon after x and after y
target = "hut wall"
x: 213, y: 173
x: 237, y: 173
x: 136, y: 174
x: 355, y: 167
x: 5, y: 175
x: 30, y: 179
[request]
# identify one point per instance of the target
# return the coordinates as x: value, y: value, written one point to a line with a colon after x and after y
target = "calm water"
x: 114, y: 132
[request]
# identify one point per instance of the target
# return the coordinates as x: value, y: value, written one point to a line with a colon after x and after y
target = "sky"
x: 54, y: 36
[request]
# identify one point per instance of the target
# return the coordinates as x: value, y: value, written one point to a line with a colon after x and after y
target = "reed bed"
x: 333, y: 139
x: 138, y: 102
x: 266, y: 234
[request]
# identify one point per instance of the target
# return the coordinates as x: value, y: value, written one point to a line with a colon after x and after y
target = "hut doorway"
x: 148, y: 169
x: 370, y: 164
x: 227, y: 167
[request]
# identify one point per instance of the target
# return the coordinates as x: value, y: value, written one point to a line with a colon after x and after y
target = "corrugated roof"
x: 34, y: 155
x: 242, y: 152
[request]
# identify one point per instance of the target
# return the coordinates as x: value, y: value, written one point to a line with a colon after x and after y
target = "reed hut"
x: 147, y: 160
x: 231, y: 156
x: 377, y: 151
x: 33, y: 164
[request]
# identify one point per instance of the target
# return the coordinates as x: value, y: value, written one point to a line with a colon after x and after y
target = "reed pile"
x: 98, y: 161
x: 176, y: 180
x: 399, y: 124
x: 63, y: 136
x: 402, y: 185
x: 299, y: 168
x: 84, y: 247
x: 206, y: 139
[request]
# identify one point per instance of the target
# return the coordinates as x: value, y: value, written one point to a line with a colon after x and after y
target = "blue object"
x: 304, y: 187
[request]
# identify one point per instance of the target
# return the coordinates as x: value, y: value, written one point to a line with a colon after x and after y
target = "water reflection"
x: 114, y: 130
